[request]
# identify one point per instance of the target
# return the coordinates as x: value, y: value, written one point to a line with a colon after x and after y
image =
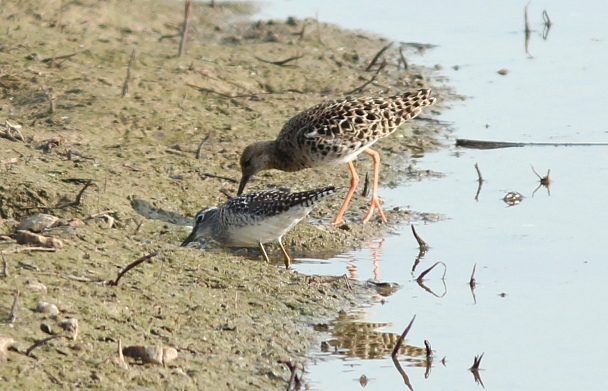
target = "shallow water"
x: 539, y: 314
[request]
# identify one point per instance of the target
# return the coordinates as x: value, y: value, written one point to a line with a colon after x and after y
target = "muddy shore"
x: 74, y: 116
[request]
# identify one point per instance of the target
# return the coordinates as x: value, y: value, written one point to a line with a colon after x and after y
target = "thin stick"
x: 527, y: 28
x: 200, y: 146
x: 125, y: 86
x: 429, y: 351
x: 281, y: 62
x: 19, y: 250
x: 403, y: 60
x: 472, y: 280
x: 132, y: 265
x: 421, y: 243
x: 64, y: 57
x: 204, y: 174
x: 13, y: 315
x: 479, y: 177
x: 546, y: 19
x: 476, y: 362
x: 402, y: 338
x: 29, y: 350
x: 483, y: 144
x: 78, y: 199
x: 361, y: 87
x: 365, y: 190
x: 5, y: 272
x: 185, y: 28
x: 49, y: 96
x: 373, y: 61
x: 138, y: 227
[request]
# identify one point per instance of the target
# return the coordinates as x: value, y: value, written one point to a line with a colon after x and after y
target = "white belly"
x: 265, y: 230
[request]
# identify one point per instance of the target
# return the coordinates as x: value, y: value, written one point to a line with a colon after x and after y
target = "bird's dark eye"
x: 247, y: 163
x: 199, y: 218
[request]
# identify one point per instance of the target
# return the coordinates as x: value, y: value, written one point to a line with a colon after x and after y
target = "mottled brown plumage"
x: 332, y: 133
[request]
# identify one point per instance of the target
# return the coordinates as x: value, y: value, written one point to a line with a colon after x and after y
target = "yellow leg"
x: 261, y: 245
x: 287, y: 258
x: 354, y: 181
x: 375, y: 201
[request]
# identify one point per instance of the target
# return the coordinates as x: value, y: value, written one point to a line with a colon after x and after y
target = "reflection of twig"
x: 429, y: 359
x: 527, y: 29
x: 479, y: 181
x: 402, y: 338
x: 377, y: 56
x: 545, y: 181
x: 472, y: 284
x: 547, y: 26
x: 475, y: 370
x: 424, y: 273
x: 185, y: 27
x: 132, y: 265
x: 472, y: 280
x: 406, y: 379
x: 420, y: 280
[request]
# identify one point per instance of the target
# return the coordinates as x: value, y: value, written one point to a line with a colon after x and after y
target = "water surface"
x: 540, y: 311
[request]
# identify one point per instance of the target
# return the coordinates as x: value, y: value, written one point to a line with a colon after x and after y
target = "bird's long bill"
x: 244, y: 180
x: 190, y: 237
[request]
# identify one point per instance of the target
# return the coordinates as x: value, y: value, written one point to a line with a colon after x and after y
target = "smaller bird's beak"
x: 190, y: 237
x: 244, y: 180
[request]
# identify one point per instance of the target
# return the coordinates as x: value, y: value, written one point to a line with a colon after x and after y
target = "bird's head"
x: 203, y: 223
x: 256, y: 157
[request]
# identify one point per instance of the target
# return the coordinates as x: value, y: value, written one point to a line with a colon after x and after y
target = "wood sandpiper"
x: 256, y: 218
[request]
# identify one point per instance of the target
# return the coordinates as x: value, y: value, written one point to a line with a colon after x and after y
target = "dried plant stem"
x: 185, y: 28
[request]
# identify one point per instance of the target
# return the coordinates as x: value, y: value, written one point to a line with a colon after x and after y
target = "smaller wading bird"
x: 332, y: 133
x: 256, y: 218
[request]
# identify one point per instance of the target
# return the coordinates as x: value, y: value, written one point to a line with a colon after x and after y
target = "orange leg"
x: 354, y: 181
x: 375, y: 201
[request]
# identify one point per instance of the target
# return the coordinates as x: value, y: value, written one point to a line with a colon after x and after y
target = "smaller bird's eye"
x: 247, y: 163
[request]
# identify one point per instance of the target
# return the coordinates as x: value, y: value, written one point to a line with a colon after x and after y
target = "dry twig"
x: 376, y: 57
x: 200, y: 146
x: 361, y: 87
x: 49, y: 96
x: 280, y: 62
x: 125, y: 86
x: 185, y: 28
x: 402, y: 338
x: 204, y: 175
x: 132, y: 265
x: 421, y: 243
x: 13, y: 315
